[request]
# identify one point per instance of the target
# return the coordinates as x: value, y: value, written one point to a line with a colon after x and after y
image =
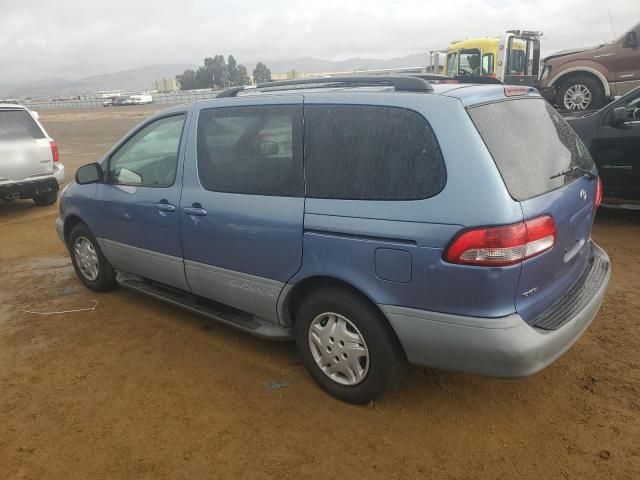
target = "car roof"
x: 468, y: 94
x: 13, y: 106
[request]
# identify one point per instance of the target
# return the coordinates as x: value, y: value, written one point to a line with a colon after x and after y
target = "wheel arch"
x: 583, y: 71
x: 69, y: 223
x: 293, y: 295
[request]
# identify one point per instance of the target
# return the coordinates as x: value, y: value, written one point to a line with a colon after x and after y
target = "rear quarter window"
x: 18, y: 124
x: 360, y: 152
x: 530, y: 143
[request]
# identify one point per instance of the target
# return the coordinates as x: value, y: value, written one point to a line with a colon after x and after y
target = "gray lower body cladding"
x: 502, y: 347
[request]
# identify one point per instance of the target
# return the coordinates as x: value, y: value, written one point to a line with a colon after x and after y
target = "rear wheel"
x: 90, y: 264
x: 580, y: 93
x: 347, y: 346
x: 45, y: 199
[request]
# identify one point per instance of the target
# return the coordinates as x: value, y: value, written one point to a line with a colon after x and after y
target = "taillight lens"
x: 598, y: 194
x: 515, y: 91
x: 504, y: 245
x: 54, y: 152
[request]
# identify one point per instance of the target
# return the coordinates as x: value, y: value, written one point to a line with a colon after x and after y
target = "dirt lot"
x: 136, y: 389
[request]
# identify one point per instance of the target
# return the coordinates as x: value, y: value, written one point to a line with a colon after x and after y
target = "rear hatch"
x: 25, y: 151
x: 545, y: 167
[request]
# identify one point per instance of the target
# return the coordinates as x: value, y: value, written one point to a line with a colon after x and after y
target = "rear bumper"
x: 502, y: 347
x: 29, y: 188
x: 58, y: 173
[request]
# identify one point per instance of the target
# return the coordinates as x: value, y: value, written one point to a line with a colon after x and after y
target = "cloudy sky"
x: 43, y: 39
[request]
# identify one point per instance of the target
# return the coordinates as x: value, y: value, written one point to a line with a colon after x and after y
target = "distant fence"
x: 174, y: 98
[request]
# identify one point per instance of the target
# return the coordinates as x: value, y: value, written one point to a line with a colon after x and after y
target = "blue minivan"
x: 373, y: 220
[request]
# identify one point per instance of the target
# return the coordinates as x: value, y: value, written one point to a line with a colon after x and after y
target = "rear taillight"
x: 515, y: 91
x: 598, y: 194
x: 54, y: 152
x: 504, y: 245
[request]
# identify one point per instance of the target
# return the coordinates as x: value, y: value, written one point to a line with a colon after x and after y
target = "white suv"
x: 29, y: 161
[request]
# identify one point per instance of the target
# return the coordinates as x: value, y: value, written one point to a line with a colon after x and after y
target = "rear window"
x: 16, y: 124
x: 361, y: 152
x: 530, y: 143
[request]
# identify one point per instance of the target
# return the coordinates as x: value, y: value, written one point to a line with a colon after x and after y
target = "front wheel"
x: 347, y: 346
x: 580, y: 93
x: 90, y: 264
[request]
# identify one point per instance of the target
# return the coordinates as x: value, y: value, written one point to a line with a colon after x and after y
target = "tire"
x: 368, y: 379
x: 573, y: 92
x: 105, y: 277
x: 46, y: 199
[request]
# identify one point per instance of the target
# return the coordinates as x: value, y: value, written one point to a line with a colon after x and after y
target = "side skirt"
x: 207, y: 308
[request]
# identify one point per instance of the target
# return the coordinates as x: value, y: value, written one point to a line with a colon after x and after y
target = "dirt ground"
x: 136, y: 389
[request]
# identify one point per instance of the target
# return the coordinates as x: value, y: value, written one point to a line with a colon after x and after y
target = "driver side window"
x: 150, y: 157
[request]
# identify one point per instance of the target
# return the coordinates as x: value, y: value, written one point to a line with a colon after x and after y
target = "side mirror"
x: 269, y: 148
x: 631, y: 40
x: 91, y: 173
x: 35, y: 115
x: 618, y: 117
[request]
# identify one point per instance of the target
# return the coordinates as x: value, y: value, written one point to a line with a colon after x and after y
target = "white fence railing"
x: 174, y: 98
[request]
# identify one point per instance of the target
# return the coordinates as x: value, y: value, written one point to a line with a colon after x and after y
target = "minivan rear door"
x: 546, y: 167
x: 25, y: 150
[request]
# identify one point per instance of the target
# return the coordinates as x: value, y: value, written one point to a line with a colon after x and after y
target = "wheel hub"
x: 86, y: 258
x: 338, y: 348
x: 577, y: 97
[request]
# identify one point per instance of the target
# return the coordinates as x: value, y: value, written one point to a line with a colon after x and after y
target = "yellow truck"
x: 513, y: 58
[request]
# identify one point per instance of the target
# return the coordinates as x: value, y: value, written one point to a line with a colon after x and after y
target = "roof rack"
x: 399, y: 82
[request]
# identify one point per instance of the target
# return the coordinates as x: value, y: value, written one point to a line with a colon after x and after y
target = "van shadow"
x: 418, y: 388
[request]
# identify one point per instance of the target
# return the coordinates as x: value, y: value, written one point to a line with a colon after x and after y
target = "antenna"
x: 611, y: 23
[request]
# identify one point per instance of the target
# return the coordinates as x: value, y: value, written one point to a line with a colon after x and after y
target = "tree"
x: 243, y: 76
x: 204, y: 77
x: 219, y: 70
x: 187, y: 80
x: 215, y: 72
x: 261, y: 73
x: 232, y: 68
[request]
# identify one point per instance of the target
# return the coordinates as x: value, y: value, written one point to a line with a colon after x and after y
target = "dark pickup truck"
x: 612, y: 135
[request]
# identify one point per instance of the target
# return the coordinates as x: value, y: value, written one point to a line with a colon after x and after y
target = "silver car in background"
x: 30, y: 164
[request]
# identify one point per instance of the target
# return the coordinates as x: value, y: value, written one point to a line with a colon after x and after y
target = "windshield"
x: 530, y: 143
x: 470, y: 62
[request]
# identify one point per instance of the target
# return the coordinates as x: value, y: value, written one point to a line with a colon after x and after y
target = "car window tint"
x: 18, y: 124
x: 150, y: 157
x: 251, y: 150
x: 359, y: 152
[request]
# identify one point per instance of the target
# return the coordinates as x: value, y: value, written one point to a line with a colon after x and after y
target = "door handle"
x: 165, y: 207
x: 195, y: 210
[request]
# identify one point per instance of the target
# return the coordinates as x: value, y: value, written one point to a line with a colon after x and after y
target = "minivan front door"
x: 242, y: 203
x: 138, y: 202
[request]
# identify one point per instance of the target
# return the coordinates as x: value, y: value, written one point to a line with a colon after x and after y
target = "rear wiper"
x: 576, y: 168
